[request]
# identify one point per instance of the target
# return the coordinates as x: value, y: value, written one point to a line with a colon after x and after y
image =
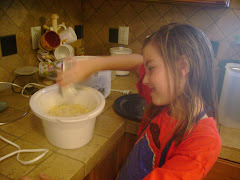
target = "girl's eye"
x: 150, y: 68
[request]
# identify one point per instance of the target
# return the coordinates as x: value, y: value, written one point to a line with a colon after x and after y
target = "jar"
x: 119, y: 51
x: 50, y: 69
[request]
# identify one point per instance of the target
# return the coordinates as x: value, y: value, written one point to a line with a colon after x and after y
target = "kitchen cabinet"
x: 198, y: 2
x: 109, y: 166
x: 224, y: 169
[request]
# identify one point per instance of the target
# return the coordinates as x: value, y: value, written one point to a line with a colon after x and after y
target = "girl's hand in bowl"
x: 75, y: 71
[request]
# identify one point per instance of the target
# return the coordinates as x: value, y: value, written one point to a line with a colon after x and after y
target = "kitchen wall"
x: 18, y: 16
x: 143, y: 18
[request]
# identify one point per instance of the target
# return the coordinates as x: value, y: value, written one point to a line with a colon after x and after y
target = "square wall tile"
x: 115, y: 21
x: 216, y: 12
x: 137, y: 27
x: 149, y: 15
x: 11, y: 62
x: 163, y: 8
x: 8, y: 27
x: 17, y: 12
x: 127, y: 13
x: 228, y: 23
x: 189, y: 10
x: 4, y: 75
x: 116, y: 5
x: 170, y: 16
x: 155, y: 27
x: 200, y: 19
x: 139, y: 6
x: 136, y: 47
x: 96, y: 3
x: 214, y: 33
x: 225, y: 51
x: 5, y: 4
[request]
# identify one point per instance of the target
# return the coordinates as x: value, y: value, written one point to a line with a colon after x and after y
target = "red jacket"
x: 192, y: 158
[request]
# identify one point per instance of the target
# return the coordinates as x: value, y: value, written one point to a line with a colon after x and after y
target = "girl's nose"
x: 145, y: 79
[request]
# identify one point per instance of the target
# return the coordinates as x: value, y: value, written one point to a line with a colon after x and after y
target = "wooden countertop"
x: 230, y: 144
x: 28, y: 133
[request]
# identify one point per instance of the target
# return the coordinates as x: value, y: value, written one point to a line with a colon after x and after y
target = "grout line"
x: 26, y: 7
x: 173, y: 6
x: 38, y: 164
x: 98, y: 6
x: 143, y: 20
x: 9, y: 6
x: 5, y: 176
x: 69, y: 156
x: 120, y: 7
x: 101, y: 136
x: 148, y: 3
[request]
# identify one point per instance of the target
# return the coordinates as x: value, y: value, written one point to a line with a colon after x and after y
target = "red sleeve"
x: 143, y: 90
x: 192, y: 159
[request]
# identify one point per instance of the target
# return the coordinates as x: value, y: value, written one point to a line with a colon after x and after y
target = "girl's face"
x: 156, y: 78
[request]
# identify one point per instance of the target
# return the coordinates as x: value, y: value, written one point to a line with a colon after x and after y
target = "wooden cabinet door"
x: 213, y: 2
x: 107, y: 168
x: 198, y: 2
x: 224, y: 170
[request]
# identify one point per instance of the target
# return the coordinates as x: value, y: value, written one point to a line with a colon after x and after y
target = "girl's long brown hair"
x: 175, y: 41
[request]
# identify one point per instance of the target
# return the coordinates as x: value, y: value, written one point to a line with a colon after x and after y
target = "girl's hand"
x: 78, y: 71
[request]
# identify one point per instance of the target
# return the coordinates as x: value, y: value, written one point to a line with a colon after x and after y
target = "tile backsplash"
x: 18, y: 16
x: 219, y: 23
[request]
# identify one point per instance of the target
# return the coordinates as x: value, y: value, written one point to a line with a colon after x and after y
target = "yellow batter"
x: 67, y: 110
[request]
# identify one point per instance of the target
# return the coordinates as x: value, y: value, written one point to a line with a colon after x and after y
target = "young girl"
x: 178, y: 136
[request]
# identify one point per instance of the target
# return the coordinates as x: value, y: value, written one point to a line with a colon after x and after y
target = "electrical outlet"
x: 113, y: 35
x: 123, y: 33
x: 36, y: 36
x: 8, y: 45
x: 215, y: 45
x: 79, y: 31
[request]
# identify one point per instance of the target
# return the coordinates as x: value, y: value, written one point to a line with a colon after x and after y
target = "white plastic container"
x: 100, y: 80
x: 68, y: 132
x: 118, y: 51
x: 229, y: 104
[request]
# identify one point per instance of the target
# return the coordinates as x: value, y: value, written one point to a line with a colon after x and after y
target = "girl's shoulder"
x: 207, y: 125
x: 205, y: 134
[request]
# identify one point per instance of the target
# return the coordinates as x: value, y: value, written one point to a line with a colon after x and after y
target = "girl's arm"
x: 130, y: 62
x: 82, y: 69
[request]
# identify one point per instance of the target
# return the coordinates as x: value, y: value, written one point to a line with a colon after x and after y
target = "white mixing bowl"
x: 68, y: 132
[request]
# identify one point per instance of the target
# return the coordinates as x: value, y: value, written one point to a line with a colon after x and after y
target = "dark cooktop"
x: 130, y: 106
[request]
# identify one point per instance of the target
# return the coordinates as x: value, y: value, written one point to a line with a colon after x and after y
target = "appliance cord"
x: 45, y: 151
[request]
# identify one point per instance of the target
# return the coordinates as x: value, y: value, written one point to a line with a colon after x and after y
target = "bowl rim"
x: 45, y: 116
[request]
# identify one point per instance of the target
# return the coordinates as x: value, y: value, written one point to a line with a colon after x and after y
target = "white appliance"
x: 118, y: 51
x: 100, y: 80
x: 228, y: 111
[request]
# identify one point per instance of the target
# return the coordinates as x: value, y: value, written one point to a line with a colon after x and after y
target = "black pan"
x: 130, y: 106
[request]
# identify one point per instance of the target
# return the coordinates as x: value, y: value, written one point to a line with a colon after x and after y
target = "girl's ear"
x: 184, y: 66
